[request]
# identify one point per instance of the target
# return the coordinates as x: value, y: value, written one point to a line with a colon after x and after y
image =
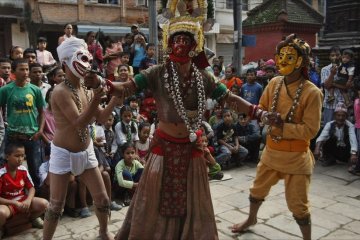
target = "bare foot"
x: 241, y: 227
x: 106, y: 236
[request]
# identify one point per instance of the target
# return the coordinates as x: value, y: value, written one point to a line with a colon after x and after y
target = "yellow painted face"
x: 288, y: 60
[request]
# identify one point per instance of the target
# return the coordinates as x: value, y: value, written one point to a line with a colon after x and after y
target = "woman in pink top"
x: 112, y: 55
x: 355, y: 168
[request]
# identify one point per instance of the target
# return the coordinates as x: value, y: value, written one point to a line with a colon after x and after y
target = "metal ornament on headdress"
x: 190, y: 20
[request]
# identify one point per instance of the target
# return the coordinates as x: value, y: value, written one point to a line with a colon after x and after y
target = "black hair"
x: 41, y: 39
x: 29, y: 50
x: 16, y: 62
x: 242, y: 115
x: 12, y: 49
x: 124, y: 53
x: 251, y: 70
x: 127, y: 108
x: 126, y: 146
x: 12, y: 146
x: 335, y: 49
x: 149, y: 45
x: 132, y: 98
x: 142, y: 125
x: 216, y: 66
x: 233, y: 69
x: 47, y: 96
x: 123, y: 65
x: 225, y: 110
x: 67, y: 25
x: 33, y: 65
x: 54, y: 72
x: 348, y: 52
x: 5, y: 60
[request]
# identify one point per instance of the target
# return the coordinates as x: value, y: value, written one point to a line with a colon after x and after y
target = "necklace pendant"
x: 192, y: 137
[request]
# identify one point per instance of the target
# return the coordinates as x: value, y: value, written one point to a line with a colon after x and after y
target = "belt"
x: 288, y: 145
x: 19, y: 136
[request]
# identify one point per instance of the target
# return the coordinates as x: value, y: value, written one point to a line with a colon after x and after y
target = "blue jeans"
x: 225, y: 154
x: 132, y: 177
x: 34, y: 157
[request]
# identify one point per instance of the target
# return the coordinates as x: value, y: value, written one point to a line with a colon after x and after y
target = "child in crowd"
x: 56, y: 76
x: 138, y: 50
x: 125, y: 58
x: 110, y: 146
x: 43, y: 56
x: 217, y: 116
x: 134, y: 105
x: 36, y: 77
x: 129, y: 40
x: 214, y: 167
x: 126, y: 131
x: 249, y: 137
x: 127, y: 173
x: 251, y: 91
x: 344, y: 77
x: 229, y: 147
x: 149, y: 60
x: 17, y: 189
x: 142, y: 146
x: 16, y: 52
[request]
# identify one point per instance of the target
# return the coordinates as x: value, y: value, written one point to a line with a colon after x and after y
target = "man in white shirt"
x: 337, y: 139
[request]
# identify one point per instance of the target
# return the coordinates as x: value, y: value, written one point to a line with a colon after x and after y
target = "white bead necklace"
x: 192, y: 122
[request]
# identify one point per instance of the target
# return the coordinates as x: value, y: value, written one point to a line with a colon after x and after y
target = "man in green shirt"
x: 24, y: 109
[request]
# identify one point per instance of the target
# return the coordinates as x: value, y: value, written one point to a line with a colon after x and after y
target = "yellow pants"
x: 296, y: 189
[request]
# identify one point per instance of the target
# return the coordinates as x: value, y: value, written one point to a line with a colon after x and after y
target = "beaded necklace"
x: 291, y: 114
x: 192, y: 121
x: 82, y: 132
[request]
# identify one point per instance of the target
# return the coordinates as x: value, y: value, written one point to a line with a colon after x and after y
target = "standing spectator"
x: 30, y: 55
x: 135, y: 31
x: 95, y: 50
x: 149, y: 60
x: 16, y: 52
x: 56, y: 76
x: 345, y: 76
x: 328, y: 74
x: 43, y: 56
x: 25, y: 115
x: 68, y: 30
x: 36, y: 76
x: 17, y: 192
x: 112, y: 55
x: 355, y: 168
x: 217, y: 72
x: 129, y: 40
x: 230, y: 78
x: 337, y: 139
x: 5, y: 71
x: 313, y: 73
x: 251, y: 91
x: 138, y: 50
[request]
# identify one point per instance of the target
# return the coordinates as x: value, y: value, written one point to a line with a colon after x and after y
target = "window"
x: 229, y: 4
x: 141, y: 2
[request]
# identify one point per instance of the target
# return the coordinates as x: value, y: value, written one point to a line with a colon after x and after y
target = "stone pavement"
x: 335, y: 199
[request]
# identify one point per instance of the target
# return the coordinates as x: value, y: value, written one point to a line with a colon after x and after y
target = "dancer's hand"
x: 92, y: 80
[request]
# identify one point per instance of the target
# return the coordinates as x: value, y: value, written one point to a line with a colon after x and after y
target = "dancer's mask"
x: 74, y: 53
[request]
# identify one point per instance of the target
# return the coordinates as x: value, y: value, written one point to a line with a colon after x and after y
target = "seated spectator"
x: 208, y: 132
x: 142, y: 146
x: 337, y: 139
x: 214, y: 167
x: 127, y: 173
x: 216, y: 118
x: 110, y: 147
x: 134, y: 105
x: 99, y: 141
x: 125, y: 60
x: 229, y: 147
x: 17, y: 189
x: 249, y: 137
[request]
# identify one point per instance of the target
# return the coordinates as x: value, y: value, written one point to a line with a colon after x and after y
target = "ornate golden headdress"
x: 300, y: 45
x: 191, y: 20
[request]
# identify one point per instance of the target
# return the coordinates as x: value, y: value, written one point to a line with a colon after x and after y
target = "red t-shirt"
x: 14, y: 188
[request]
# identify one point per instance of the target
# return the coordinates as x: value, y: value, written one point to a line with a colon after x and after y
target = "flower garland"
x: 192, y: 121
x: 291, y: 114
